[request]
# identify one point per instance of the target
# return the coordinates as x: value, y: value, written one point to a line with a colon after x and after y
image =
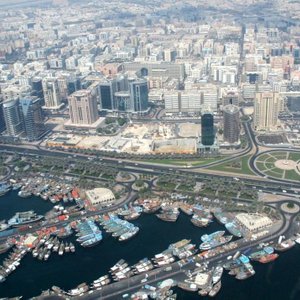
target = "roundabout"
x: 290, y: 208
x: 279, y: 164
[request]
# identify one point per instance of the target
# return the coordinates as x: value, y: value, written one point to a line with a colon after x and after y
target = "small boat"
x: 72, y: 247
x: 268, y: 258
x: 4, y: 226
x: 217, y: 274
x: 61, y: 248
x: 209, y: 237
x: 190, y: 287
x: 22, y: 218
x: 233, y: 229
x: 284, y: 245
x: 215, y: 290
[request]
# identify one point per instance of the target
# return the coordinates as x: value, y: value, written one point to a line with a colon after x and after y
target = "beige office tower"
x: 83, y: 107
x: 52, y: 96
x: 266, y: 108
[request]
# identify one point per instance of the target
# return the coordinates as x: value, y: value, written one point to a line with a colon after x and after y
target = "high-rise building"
x: 52, y: 96
x: 83, y: 107
x: 231, y: 124
x: 2, y: 122
x: 138, y: 95
x: 230, y: 96
x: 266, y: 109
x: 73, y: 85
x: 123, y: 94
x: 12, y: 117
x: 122, y: 101
x: 207, y: 129
x: 107, y: 91
x: 37, y: 89
x: 169, y: 55
x: 32, y: 117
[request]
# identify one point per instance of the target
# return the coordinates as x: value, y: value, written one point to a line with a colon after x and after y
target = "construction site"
x: 154, y: 137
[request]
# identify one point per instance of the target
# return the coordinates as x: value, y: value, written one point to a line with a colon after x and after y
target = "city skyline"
x: 149, y: 148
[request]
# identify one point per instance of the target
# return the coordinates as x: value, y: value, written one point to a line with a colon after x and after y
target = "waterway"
x: 278, y: 280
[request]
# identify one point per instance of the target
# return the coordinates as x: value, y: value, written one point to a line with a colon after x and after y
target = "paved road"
x: 141, y: 167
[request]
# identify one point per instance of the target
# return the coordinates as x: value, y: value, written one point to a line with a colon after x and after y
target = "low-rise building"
x: 253, y: 222
x: 100, y: 196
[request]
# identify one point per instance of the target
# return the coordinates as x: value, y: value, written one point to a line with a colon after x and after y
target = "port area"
x: 192, y: 273
x: 81, y: 210
x: 181, y: 271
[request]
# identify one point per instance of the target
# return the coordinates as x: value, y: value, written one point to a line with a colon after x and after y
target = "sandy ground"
x: 285, y: 164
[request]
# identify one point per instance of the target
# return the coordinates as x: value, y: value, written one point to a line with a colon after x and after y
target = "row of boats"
x: 13, y: 261
x: 201, y: 217
x: 131, y: 213
x: 88, y: 233
x: 20, y: 219
x: 45, y: 247
x: 206, y: 282
x: 47, y: 189
x: 120, y: 229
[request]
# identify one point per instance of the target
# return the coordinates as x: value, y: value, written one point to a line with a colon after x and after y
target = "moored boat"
x: 22, y: 218
x: 209, y: 237
x: 215, y: 242
x: 268, y: 258
x: 200, y: 221
x: 215, y: 290
x: 129, y: 234
x: 4, y: 226
x: 217, y: 274
x: 221, y: 217
x: 190, y: 287
x: 233, y: 229
x: 284, y: 245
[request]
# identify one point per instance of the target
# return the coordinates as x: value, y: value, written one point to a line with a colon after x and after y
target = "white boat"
x: 217, y: 274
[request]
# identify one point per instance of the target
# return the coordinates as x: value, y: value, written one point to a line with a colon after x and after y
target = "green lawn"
x: 185, y: 188
x: 294, y: 156
x: 270, y: 160
x: 260, y: 166
x: 263, y: 157
x: 166, y: 185
x: 292, y: 175
x: 265, y: 163
x: 207, y: 192
x: 273, y: 174
x: 229, y: 166
x: 269, y: 165
x: 278, y: 155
